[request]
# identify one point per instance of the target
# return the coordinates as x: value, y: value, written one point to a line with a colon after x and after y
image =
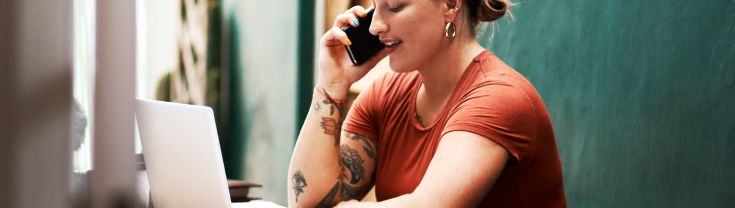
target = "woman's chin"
x: 399, y: 67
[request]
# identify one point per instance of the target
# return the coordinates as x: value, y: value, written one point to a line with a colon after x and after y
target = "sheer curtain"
x: 84, y: 73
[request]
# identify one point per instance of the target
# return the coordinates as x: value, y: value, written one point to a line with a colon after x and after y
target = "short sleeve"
x: 362, y: 117
x: 501, y: 113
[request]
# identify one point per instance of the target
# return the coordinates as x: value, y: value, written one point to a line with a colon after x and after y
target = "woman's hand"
x: 336, y: 71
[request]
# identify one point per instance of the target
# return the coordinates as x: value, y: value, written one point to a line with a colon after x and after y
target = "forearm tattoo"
x: 329, y: 123
x: 333, y: 107
x: 317, y: 107
x: 329, y: 200
x: 331, y: 127
x: 299, y: 183
x: 353, y: 172
x: 345, y: 192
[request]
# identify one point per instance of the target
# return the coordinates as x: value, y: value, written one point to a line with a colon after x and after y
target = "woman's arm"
x: 325, y: 169
x: 461, y: 173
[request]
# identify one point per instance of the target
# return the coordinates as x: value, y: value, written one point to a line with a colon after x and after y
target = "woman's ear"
x: 453, y: 7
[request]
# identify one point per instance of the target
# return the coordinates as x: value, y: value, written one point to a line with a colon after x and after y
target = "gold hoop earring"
x: 450, y: 30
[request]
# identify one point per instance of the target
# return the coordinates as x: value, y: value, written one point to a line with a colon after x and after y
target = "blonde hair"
x: 486, y: 10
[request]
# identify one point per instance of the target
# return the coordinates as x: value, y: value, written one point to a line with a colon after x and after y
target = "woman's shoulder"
x: 492, y: 82
x: 494, y: 72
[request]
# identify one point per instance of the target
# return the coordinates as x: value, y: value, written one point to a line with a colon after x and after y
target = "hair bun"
x: 491, y: 10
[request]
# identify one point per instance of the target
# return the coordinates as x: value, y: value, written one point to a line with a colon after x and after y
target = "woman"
x: 450, y: 126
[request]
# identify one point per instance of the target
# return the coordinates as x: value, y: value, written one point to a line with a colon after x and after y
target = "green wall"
x: 641, y: 93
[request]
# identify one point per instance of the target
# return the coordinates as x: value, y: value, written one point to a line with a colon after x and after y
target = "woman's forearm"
x: 403, y: 201
x: 315, y: 167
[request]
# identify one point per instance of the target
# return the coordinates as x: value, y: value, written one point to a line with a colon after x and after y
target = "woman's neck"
x: 442, y: 73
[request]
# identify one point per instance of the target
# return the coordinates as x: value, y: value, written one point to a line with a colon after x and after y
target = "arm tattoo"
x: 353, y: 168
x: 332, y: 107
x: 345, y: 192
x: 330, y: 127
x: 351, y: 160
x: 328, y: 200
x: 349, y: 192
x: 299, y: 182
x: 369, y: 144
x: 317, y: 107
x: 329, y: 123
x: 333, y: 104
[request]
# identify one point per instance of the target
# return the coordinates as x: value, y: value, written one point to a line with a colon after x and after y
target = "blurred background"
x: 641, y: 93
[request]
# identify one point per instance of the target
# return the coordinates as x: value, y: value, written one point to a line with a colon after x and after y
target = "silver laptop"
x: 182, y: 155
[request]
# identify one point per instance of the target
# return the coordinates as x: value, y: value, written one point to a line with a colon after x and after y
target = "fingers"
x: 357, y: 11
x: 349, y: 17
x: 345, y: 19
x: 335, y: 37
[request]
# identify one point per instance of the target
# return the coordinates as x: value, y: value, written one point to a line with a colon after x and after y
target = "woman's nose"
x: 377, y: 26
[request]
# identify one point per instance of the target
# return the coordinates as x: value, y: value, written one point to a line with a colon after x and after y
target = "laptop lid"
x: 182, y: 155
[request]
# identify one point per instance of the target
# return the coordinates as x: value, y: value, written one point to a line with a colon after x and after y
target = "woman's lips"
x: 392, y: 45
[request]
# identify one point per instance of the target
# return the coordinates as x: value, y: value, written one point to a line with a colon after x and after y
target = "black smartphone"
x: 364, y: 45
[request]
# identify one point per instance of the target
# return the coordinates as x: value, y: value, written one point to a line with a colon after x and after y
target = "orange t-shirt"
x: 492, y: 100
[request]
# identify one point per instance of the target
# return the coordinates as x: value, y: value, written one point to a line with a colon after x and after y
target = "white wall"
x: 160, y: 21
x: 268, y: 40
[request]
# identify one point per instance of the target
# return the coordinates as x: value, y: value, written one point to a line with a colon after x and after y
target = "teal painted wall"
x: 641, y: 93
